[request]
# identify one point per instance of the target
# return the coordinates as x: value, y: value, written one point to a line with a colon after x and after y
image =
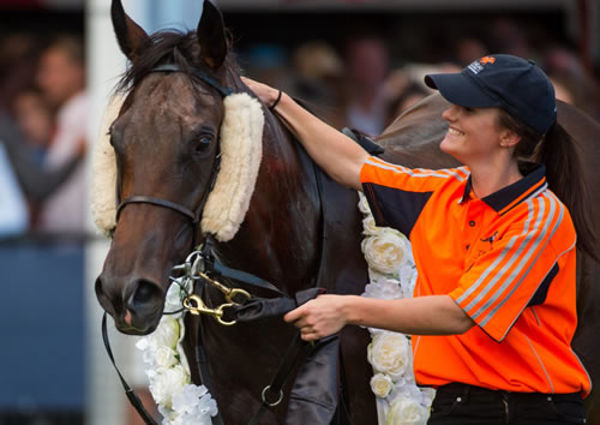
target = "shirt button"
x: 472, y: 223
x: 467, y: 246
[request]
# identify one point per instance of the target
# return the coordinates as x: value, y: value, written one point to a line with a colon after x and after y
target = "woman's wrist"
x: 349, y: 309
x: 275, y: 102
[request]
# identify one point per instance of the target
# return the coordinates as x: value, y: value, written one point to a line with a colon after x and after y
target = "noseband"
x: 194, y: 216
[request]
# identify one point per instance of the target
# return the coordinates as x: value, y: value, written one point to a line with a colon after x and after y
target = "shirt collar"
x: 534, y: 179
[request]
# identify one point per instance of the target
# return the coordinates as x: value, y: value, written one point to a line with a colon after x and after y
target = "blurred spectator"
x: 61, y: 77
x: 562, y: 91
x: 18, y: 60
x: 507, y: 36
x: 35, y: 182
x: 469, y: 49
x: 319, y: 71
x: 34, y: 118
x: 268, y: 63
x: 411, y: 94
x: 571, y: 79
x: 367, y: 65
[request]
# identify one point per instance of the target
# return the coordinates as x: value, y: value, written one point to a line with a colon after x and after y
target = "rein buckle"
x: 195, y: 305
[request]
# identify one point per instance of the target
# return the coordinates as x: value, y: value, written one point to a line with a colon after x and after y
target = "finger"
x: 294, y: 315
x: 308, y: 334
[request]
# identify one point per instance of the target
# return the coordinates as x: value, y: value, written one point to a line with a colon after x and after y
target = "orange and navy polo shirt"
x: 508, y: 260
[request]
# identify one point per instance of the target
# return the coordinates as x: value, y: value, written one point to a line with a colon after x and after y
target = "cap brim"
x: 461, y: 90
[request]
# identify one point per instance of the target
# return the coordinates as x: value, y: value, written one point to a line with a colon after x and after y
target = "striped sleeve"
x: 501, y: 282
x: 397, y: 194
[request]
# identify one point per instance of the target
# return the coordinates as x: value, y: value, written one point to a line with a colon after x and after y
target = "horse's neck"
x: 279, y: 238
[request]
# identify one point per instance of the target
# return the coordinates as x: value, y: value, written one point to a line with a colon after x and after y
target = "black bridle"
x: 194, y: 216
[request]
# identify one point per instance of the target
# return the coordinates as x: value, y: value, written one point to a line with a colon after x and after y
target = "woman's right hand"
x: 265, y: 93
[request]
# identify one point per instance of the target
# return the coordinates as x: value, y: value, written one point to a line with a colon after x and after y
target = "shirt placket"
x: 473, y: 222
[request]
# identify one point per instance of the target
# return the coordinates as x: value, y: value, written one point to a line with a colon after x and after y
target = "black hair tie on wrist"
x: 276, y: 101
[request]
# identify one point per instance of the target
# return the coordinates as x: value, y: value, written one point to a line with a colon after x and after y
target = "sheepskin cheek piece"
x: 228, y: 202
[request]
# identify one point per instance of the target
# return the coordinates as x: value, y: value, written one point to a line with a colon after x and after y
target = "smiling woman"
x: 494, y: 311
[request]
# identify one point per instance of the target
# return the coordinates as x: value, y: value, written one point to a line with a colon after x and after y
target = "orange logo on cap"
x: 487, y: 59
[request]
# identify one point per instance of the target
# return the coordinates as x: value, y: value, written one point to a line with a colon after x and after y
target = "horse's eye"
x: 202, y: 143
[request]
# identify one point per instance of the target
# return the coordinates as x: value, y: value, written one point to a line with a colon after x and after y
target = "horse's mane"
x: 170, y: 47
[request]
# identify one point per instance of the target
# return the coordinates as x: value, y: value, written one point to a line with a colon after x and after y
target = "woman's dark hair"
x: 557, y: 151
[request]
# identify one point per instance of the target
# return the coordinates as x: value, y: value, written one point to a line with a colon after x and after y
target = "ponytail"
x: 564, y: 173
x: 566, y: 178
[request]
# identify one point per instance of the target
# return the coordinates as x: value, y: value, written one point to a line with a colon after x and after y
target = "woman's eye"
x: 468, y: 110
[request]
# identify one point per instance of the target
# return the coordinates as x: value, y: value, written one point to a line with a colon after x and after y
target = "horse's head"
x: 166, y: 144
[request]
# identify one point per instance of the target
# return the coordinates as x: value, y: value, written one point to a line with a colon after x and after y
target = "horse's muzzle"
x: 137, y: 309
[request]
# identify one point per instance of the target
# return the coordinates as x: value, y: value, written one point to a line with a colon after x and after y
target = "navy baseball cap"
x: 508, y: 82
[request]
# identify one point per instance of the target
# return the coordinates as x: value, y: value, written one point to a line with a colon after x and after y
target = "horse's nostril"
x: 98, y: 287
x: 146, y: 292
x: 102, y: 298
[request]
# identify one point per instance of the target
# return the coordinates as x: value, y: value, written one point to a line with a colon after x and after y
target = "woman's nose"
x: 450, y: 113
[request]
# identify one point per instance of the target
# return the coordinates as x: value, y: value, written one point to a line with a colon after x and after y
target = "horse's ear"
x: 211, y: 36
x: 131, y: 36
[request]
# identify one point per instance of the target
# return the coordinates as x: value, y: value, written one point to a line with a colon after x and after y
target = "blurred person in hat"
x: 494, y: 310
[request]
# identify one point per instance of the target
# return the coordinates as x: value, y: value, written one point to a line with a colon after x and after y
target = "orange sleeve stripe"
x: 484, y: 299
x: 380, y: 172
x: 511, y: 263
x: 524, y: 267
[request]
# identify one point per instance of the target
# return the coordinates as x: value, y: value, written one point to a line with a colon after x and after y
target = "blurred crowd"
x: 362, y: 83
x: 43, y: 118
x: 368, y: 80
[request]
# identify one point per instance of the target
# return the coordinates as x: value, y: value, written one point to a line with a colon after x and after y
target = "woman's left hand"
x: 319, y: 318
x: 264, y: 92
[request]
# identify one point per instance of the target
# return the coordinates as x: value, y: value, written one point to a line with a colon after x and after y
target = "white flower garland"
x: 392, y: 275
x: 179, y: 401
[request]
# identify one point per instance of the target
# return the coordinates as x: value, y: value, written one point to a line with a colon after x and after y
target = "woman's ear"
x: 509, y: 138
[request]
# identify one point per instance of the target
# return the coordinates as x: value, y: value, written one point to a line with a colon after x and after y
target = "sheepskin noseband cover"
x: 228, y: 202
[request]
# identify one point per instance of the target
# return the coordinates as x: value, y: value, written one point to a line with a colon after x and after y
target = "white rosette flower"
x: 166, y: 383
x: 165, y: 357
x: 166, y: 334
x: 194, y: 405
x: 384, y: 289
x: 389, y: 353
x: 406, y: 411
x: 408, y: 277
x: 381, y: 385
x: 386, y: 251
x: 427, y: 396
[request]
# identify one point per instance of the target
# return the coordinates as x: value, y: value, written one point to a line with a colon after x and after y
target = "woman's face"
x: 473, y: 133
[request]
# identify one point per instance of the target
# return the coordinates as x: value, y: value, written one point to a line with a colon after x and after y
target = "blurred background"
x: 359, y: 63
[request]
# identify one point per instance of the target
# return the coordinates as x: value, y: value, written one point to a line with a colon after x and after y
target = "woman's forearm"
x: 335, y: 153
x: 430, y: 315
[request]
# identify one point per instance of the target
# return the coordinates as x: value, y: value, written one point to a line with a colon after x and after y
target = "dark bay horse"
x: 413, y: 140
x: 166, y: 141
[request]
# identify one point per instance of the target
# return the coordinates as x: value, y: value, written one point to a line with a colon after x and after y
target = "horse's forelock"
x: 173, y: 47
